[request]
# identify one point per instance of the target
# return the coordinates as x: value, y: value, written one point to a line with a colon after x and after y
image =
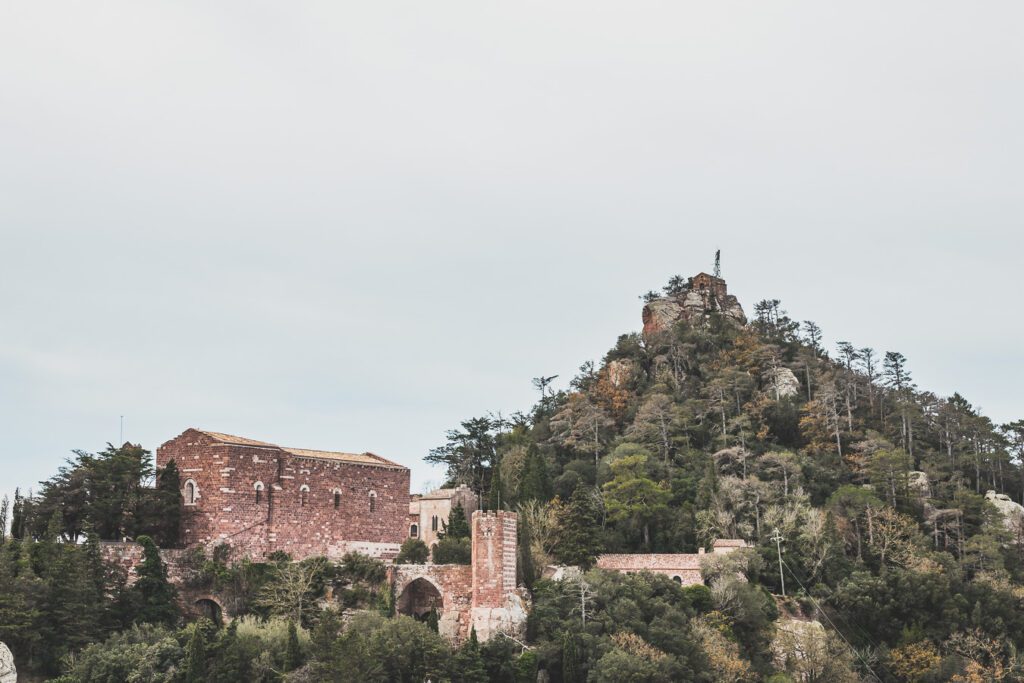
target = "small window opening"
x: 190, y: 493
x: 373, y: 501
x: 414, y: 531
x: 303, y: 495
x: 337, y: 499
x: 259, y: 491
x: 433, y: 523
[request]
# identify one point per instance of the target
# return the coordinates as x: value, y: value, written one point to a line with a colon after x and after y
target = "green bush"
x: 414, y: 551
x: 453, y: 551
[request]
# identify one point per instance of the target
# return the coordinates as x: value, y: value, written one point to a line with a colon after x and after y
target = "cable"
x: 832, y: 624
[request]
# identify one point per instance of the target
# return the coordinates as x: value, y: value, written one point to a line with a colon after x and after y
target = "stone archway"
x: 211, y: 609
x: 418, y: 598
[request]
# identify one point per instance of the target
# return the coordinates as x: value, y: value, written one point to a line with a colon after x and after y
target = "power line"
x: 832, y: 624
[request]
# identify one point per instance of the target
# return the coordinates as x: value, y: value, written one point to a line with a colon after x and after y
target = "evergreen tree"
x: 579, y: 529
x: 292, y: 653
x: 164, y: 508
x: 153, y: 597
x: 195, y: 651
x: 571, y: 672
x: 468, y: 663
x: 227, y: 664
x: 496, y: 498
x: 535, y: 483
x: 457, y: 527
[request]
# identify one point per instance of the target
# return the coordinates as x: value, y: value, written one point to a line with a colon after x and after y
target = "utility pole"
x: 777, y: 537
x: 718, y: 263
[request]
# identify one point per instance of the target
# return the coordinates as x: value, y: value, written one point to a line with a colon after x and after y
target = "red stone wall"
x: 285, y: 518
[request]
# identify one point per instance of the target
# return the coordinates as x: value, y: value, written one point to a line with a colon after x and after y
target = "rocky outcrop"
x: 1013, y: 513
x: 702, y: 296
x: 621, y: 372
x: 8, y: 672
x: 917, y: 482
x: 798, y: 645
x: 782, y: 383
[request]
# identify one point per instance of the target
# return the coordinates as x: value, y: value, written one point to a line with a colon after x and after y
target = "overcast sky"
x: 350, y: 225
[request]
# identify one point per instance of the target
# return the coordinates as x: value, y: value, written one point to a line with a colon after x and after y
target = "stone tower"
x: 496, y: 605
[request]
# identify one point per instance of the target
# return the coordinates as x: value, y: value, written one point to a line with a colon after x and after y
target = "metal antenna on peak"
x: 120, y: 441
x: 718, y: 263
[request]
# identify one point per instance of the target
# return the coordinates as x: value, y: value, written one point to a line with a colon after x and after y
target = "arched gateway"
x: 419, y: 597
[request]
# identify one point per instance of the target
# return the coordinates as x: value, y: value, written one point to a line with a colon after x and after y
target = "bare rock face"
x: 1013, y: 513
x: 8, y: 672
x: 621, y: 372
x: 782, y: 383
x: 703, y: 295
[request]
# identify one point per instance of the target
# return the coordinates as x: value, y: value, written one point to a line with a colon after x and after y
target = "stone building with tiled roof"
x: 428, y: 512
x: 259, y: 497
x: 681, y: 567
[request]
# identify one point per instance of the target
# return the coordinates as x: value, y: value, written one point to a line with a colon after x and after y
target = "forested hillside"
x: 709, y: 427
x: 864, y: 493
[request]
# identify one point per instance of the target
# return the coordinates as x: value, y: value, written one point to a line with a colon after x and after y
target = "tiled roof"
x: 642, y: 562
x: 360, y: 458
x: 730, y: 543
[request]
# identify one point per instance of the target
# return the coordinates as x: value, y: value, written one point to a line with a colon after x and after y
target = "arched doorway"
x: 210, y: 609
x: 419, y: 598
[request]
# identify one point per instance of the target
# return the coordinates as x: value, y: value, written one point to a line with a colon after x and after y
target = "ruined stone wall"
x: 127, y: 556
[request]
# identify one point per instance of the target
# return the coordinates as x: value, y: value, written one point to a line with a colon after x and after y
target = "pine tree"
x: 153, y: 596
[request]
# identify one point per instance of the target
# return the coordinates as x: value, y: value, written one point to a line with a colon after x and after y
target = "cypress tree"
x: 195, y: 652
x: 570, y: 659
x: 579, y: 532
x: 292, y: 654
x: 227, y: 665
x: 457, y: 526
x: 527, y: 572
x: 153, y: 595
x: 535, y: 484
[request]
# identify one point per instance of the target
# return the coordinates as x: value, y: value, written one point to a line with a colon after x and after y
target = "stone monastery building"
x: 260, y: 497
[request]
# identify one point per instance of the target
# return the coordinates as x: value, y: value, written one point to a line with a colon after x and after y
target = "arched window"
x: 191, y: 492
x: 433, y: 523
x: 303, y: 495
x: 677, y: 579
x: 258, y: 486
x: 414, y: 531
x: 337, y: 498
x: 373, y: 501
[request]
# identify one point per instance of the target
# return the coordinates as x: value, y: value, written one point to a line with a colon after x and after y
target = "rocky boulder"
x: 1013, y: 513
x: 8, y: 673
x: 782, y: 383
